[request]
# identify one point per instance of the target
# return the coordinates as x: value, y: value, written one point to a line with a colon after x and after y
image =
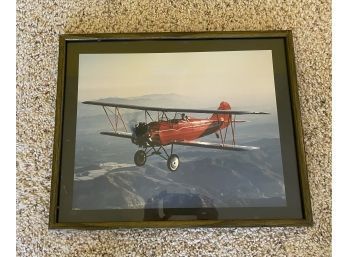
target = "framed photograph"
x: 178, y: 130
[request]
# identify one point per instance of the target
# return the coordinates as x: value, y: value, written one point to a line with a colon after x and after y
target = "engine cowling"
x: 140, y: 129
x: 140, y: 135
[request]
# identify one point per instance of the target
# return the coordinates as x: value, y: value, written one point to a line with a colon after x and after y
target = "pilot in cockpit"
x: 184, y: 117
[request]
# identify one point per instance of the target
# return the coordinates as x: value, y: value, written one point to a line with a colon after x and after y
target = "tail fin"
x: 222, y: 117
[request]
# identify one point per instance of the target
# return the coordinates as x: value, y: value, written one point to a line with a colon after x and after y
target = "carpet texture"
x: 39, y: 22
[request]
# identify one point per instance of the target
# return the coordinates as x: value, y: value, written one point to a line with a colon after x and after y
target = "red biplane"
x: 151, y: 137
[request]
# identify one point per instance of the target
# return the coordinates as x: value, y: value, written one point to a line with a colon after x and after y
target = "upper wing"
x: 217, y: 146
x: 147, y: 108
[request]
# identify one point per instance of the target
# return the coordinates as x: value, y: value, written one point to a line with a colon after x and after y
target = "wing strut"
x: 117, y: 116
x: 233, y: 127
x: 147, y: 113
x: 232, y: 124
x: 222, y: 140
x: 124, y: 125
x: 107, y: 115
x: 225, y: 133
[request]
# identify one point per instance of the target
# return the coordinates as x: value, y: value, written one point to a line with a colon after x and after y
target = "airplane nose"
x: 140, y: 129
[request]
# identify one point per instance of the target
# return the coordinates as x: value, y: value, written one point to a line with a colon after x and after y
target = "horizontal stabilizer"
x: 118, y: 134
x: 217, y: 146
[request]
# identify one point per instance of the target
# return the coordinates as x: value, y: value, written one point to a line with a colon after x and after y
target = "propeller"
x: 132, y: 128
x: 132, y: 124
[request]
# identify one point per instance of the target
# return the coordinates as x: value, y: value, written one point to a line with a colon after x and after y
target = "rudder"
x: 222, y: 117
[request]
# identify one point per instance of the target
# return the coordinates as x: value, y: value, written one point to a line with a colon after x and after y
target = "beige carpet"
x: 38, y: 24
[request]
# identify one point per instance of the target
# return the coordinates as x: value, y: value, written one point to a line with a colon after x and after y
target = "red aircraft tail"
x: 222, y: 117
x: 225, y: 117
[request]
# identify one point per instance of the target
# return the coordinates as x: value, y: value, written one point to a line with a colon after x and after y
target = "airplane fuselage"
x: 176, y: 130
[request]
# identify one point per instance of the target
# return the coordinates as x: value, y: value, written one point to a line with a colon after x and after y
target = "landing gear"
x: 172, y: 159
x: 140, y: 158
x: 173, y: 162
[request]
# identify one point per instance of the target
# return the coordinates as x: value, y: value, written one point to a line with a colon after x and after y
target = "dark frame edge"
x: 176, y: 35
x: 182, y: 224
x: 55, y: 180
x: 298, y: 129
x: 302, y: 168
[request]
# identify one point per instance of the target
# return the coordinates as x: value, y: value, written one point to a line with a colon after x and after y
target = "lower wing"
x: 192, y: 143
x: 217, y: 146
x: 118, y: 134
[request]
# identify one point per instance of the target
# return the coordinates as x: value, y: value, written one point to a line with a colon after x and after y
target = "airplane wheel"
x: 173, y: 162
x: 140, y: 158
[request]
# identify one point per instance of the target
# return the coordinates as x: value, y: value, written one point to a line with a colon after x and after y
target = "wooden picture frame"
x: 296, y: 211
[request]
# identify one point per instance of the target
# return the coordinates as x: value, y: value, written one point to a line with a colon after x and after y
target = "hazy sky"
x: 236, y: 76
